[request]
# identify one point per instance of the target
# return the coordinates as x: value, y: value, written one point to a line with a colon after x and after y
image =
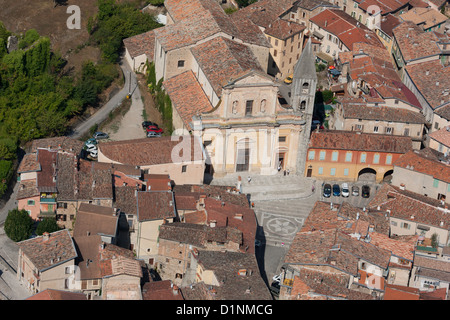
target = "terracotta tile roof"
x: 98, y: 259
x: 438, y: 294
x: 385, y: 6
x: 27, y: 189
x: 125, y: 199
x: 222, y: 60
x: 428, y: 16
x: 443, y: 112
x: 323, y: 216
x: 140, y: 44
x: 373, y: 65
x: 402, y: 248
x: 46, y: 253
x: 196, y: 20
x: 158, y: 182
x: 414, y: 43
x: 46, y: 177
x: 313, y: 248
x: 432, y: 80
x: 199, y: 235
x: 120, y: 265
x: 395, y: 292
x: 345, y: 27
x: 64, y: 144
x: 29, y: 163
x: 419, y: 163
x: 51, y: 294
x: 264, y: 12
x: 384, y: 193
x: 282, y: 29
x: 197, y: 217
x: 144, y: 152
x: 94, y: 219
x: 438, y: 3
x: 228, y: 214
x: 93, y: 183
x: 442, y: 136
x: 161, y: 290
x: 407, y: 208
x: 186, y: 200
x: 82, y: 179
x: 365, y: 112
x: 155, y: 205
x: 350, y: 140
x: 234, y: 286
x: 316, y: 285
x: 187, y: 96
x: 66, y: 180
x: 434, y: 264
x: 312, y: 4
x: 217, y: 192
x: 389, y: 22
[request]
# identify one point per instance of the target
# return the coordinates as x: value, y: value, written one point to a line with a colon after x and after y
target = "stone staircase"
x: 270, y: 187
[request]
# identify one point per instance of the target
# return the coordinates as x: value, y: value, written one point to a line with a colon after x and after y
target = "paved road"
x: 102, y: 113
x: 131, y: 124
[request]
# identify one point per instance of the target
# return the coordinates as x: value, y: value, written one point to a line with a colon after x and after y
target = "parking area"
x: 357, y: 201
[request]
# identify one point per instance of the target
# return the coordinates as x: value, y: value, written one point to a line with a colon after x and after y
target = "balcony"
x: 47, y: 214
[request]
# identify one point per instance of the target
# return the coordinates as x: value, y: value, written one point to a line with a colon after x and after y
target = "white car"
x: 345, y: 190
x: 91, y: 146
x: 277, y: 277
x: 93, y: 153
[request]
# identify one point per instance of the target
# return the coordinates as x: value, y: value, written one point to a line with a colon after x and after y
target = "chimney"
x: 45, y: 236
x: 102, y: 245
x: 175, y: 290
x: 212, y: 223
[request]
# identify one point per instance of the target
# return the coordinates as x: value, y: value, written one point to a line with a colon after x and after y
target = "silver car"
x: 100, y: 135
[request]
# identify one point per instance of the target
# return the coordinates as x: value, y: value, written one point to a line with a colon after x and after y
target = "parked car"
x: 365, y: 191
x: 153, y: 134
x: 327, y: 190
x: 90, y: 147
x: 275, y: 288
x: 355, y: 191
x: 100, y: 135
x: 289, y: 79
x: 336, y: 190
x: 345, y: 190
x: 91, y: 141
x: 93, y: 153
x: 315, y: 124
x: 146, y: 124
x: 154, y: 129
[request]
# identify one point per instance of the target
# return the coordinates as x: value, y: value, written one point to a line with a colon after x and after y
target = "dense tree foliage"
x: 244, y: 3
x: 18, y: 225
x: 47, y: 225
x: 36, y: 98
x: 115, y: 22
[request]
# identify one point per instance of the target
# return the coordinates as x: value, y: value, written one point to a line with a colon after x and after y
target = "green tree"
x: 30, y: 37
x: 116, y: 21
x: 18, y: 225
x: 5, y: 175
x: 47, y: 225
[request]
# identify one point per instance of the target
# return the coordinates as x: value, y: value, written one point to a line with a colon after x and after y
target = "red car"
x: 154, y: 129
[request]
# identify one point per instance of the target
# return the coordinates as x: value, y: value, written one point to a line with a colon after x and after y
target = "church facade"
x: 218, y: 84
x: 254, y: 130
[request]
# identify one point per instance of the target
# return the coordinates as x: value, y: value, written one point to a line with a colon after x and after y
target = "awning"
x: 317, y: 34
x: 325, y: 57
x: 335, y: 72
